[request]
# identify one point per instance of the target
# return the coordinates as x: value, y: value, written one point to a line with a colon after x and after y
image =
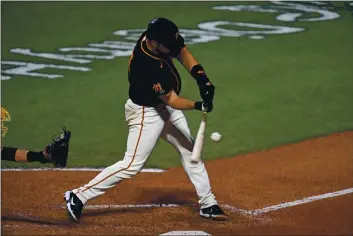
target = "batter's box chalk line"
x: 231, y: 207
x: 147, y: 170
x: 226, y: 206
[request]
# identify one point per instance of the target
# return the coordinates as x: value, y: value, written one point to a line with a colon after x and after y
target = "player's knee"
x: 136, y: 167
x: 131, y: 172
x: 131, y: 169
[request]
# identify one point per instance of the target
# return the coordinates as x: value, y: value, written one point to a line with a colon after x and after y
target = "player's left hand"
x: 206, y: 89
x: 204, y: 106
x: 207, y: 106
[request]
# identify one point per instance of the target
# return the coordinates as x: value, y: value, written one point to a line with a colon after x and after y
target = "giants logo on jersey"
x: 158, y: 88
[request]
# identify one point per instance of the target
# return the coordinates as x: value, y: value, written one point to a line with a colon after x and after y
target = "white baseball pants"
x: 146, y: 126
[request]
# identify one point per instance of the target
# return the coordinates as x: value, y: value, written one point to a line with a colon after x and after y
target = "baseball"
x: 215, y: 136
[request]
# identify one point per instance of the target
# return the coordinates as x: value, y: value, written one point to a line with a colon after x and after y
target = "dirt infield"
x: 32, y: 202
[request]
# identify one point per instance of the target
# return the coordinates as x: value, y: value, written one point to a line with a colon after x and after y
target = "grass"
x: 269, y: 92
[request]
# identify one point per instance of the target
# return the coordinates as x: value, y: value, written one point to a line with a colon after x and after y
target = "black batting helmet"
x: 165, y: 32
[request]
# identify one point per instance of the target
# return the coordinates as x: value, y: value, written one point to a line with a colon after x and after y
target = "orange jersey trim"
x: 160, y: 59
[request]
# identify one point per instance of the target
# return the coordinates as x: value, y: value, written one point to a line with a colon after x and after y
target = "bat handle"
x: 204, y: 115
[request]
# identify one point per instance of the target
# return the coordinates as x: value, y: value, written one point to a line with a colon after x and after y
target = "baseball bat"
x: 198, y: 145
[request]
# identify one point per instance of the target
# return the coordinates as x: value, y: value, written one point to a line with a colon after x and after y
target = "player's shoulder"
x: 142, y: 50
x: 140, y: 39
x: 148, y: 63
x: 144, y: 56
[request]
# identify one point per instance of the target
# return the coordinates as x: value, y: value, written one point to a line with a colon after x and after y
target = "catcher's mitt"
x: 57, y: 151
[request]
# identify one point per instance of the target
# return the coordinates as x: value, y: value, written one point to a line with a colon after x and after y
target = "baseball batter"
x: 154, y: 110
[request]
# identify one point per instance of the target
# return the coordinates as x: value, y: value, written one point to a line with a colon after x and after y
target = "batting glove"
x: 204, y: 106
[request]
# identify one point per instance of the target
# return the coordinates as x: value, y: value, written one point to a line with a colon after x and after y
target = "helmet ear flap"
x: 176, y: 49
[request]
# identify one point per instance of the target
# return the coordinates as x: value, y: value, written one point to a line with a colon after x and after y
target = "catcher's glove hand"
x: 57, y: 151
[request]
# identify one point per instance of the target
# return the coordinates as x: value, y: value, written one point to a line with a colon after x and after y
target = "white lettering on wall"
x: 4, y: 77
x: 25, y: 68
x: 325, y: 14
x: 111, y: 53
x: 282, y: 7
x: 206, y: 32
x: 28, y: 52
x: 269, y: 29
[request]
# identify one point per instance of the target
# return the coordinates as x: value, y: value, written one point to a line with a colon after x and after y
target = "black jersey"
x: 151, y: 76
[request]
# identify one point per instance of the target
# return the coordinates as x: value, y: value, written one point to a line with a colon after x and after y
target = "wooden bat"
x: 198, y: 145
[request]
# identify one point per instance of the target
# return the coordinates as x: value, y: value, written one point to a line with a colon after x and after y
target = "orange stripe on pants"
x: 138, y: 141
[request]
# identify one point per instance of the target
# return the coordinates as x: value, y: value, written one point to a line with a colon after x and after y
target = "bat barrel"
x: 198, y: 145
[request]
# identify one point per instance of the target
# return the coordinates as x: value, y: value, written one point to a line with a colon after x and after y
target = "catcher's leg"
x: 145, y: 126
x: 178, y: 134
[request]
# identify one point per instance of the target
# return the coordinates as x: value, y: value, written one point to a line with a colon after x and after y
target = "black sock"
x: 36, y: 156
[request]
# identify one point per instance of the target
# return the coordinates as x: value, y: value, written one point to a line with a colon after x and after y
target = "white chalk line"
x: 226, y: 206
x: 149, y: 170
x: 161, y: 205
x: 135, y: 206
x: 301, y: 201
x: 231, y: 207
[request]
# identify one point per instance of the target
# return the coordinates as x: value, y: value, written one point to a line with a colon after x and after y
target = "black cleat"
x: 213, y: 212
x: 74, y: 205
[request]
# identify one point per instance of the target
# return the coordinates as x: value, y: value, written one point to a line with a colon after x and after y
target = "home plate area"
x: 299, y: 189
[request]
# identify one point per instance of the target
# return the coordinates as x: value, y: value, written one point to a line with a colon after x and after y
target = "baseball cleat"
x: 213, y: 212
x: 74, y: 205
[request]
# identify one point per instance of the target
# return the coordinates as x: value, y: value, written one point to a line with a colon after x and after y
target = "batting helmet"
x: 165, y: 32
